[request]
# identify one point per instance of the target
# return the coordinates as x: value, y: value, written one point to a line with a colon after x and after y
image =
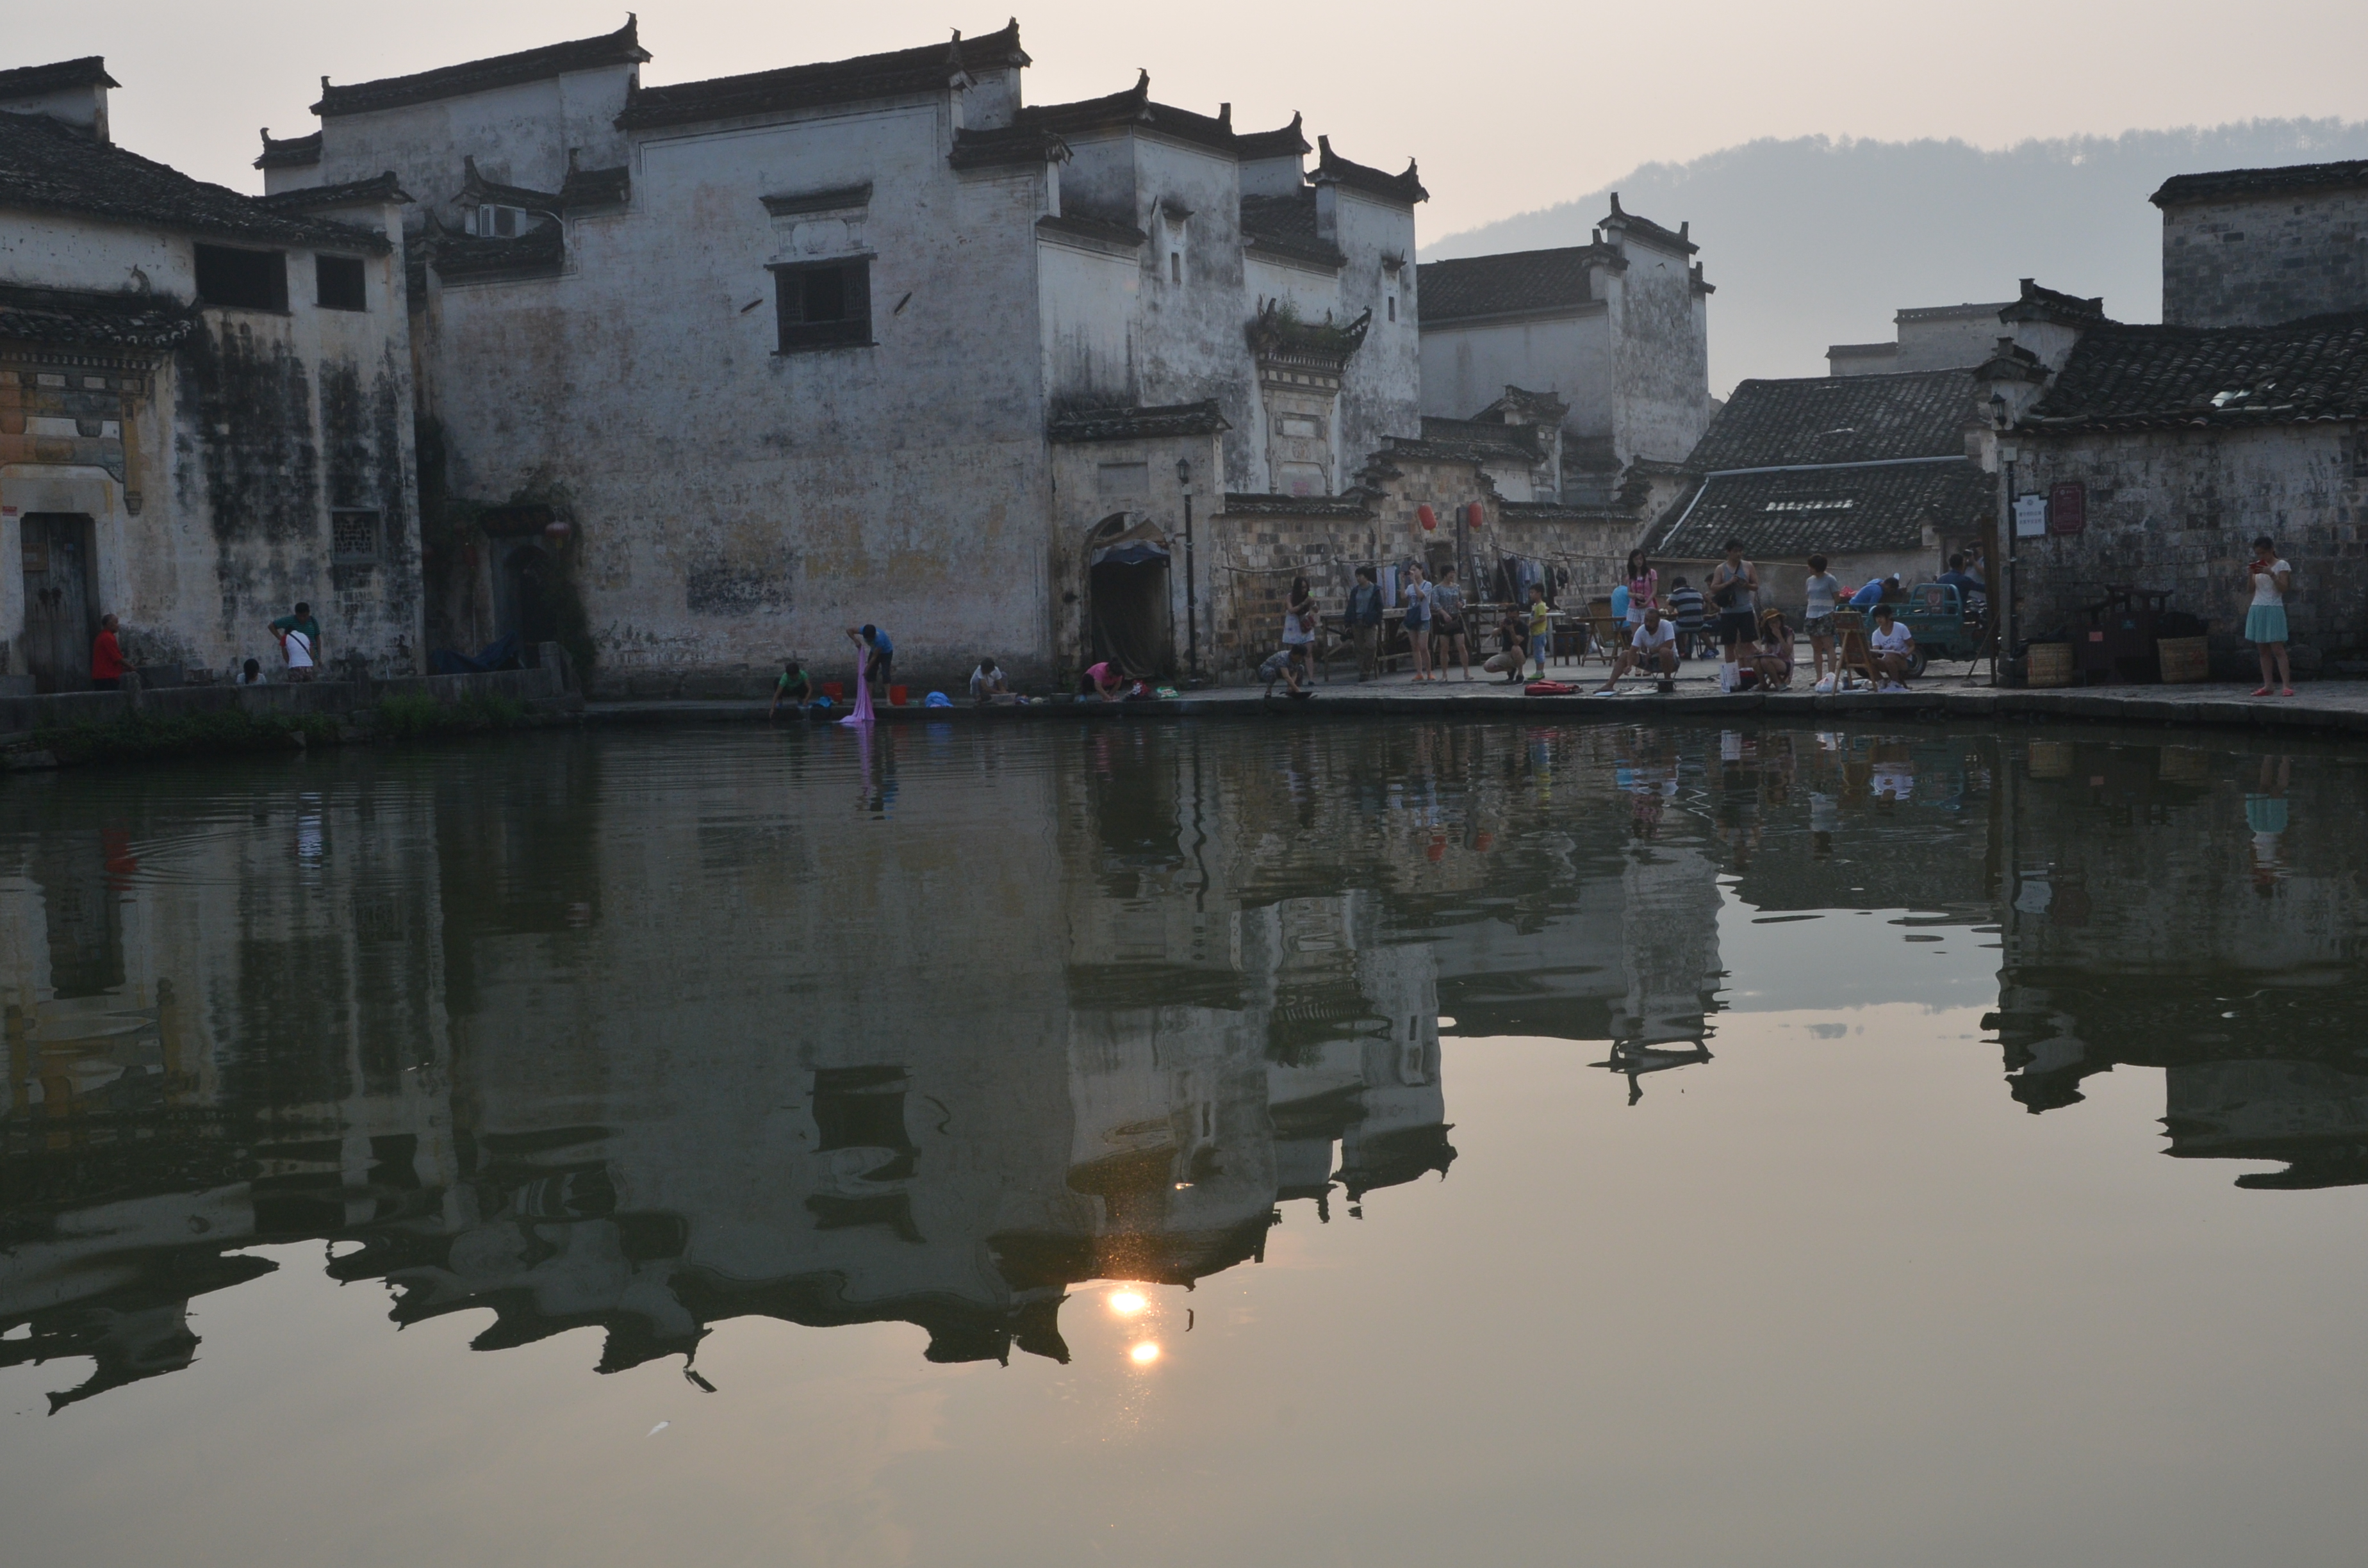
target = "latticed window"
x: 353, y: 536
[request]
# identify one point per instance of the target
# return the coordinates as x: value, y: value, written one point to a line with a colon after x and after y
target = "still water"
x: 1139, y: 1145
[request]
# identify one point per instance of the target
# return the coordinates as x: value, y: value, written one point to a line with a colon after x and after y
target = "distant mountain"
x: 1816, y: 241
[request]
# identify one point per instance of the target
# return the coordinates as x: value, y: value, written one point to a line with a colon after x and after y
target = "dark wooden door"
x: 59, y: 621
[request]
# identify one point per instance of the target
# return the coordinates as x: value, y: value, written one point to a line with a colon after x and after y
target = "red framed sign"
x: 2067, y: 507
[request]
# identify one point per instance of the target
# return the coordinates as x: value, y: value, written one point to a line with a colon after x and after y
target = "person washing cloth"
x: 795, y: 688
x: 987, y: 683
x: 876, y: 658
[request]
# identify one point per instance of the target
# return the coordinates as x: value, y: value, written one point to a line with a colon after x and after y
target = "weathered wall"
x: 1466, y: 369
x: 1380, y: 394
x: 1093, y: 481
x: 1260, y: 544
x: 733, y: 504
x: 2180, y: 511
x: 1942, y: 337
x: 210, y: 476
x: 2249, y: 263
x: 520, y: 135
x: 1660, y: 355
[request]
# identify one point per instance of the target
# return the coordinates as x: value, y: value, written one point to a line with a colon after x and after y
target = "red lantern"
x: 1475, y: 514
x: 1427, y: 517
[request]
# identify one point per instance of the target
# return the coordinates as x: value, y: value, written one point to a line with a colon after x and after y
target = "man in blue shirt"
x: 1875, y: 591
x: 1970, y: 595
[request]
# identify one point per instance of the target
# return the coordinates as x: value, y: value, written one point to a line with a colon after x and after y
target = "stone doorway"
x: 60, y: 618
x: 1131, y: 619
x: 530, y: 600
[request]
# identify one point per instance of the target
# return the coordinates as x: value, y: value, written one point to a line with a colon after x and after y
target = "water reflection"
x: 647, y: 1034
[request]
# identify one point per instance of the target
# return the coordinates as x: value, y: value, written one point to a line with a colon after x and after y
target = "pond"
x: 1155, y: 1143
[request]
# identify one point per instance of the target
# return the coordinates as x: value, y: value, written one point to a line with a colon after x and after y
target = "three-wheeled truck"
x: 1935, y: 617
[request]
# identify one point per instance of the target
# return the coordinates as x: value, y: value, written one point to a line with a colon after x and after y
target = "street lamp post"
x: 2001, y: 419
x: 1192, y: 582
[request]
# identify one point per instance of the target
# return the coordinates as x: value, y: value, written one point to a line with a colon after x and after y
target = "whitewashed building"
x: 205, y: 405
x: 717, y: 369
x: 1617, y: 330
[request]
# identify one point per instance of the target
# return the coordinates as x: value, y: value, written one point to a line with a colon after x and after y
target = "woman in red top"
x: 106, y: 657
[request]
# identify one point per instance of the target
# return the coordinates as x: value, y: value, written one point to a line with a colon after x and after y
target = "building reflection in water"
x: 647, y: 1035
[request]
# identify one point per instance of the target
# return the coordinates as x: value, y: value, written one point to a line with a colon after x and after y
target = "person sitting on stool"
x: 1893, y: 647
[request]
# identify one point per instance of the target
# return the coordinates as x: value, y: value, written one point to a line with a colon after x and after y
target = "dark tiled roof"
x: 1132, y: 423
x: 2240, y: 185
x: 294, y: 153
x: 1838, y: 511
x: 1484, y: 439
x: 582, y: 187
x: 1006, y: 144
x: 539, y: 252
x: 31, y: 81
x: 1092, y: 229
x: 2052, y: 305
x: 1644, y: 228
x: 46, y: 167
x: 1513, y: 284
x: 1286, y: 226
x: 1839, y: 419
x: 596, y: 188
x: 1287, y: 142
x: 353, y: 193
x: 1555, y: 511
x: 1331, y: 166
x: 928, y: 69
x: 91, y: 320
x: 2125, y: 378
x: 1243, y: 504
x: 1540, y: 408
x: 1134, y: 108
x: 619, y: 48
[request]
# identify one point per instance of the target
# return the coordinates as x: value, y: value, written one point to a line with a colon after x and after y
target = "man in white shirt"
x: 1652, y: 644
x: 1894, y: 647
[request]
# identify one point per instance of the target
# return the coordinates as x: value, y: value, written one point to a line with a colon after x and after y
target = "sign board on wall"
x: 2030, y: 515
x: 2067, y: 507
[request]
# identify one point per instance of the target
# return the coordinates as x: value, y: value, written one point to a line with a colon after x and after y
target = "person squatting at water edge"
x: 794, y: 687
x: 2270, y: 577
x: 988, y: 683
x: 1652, y: 644
x: 1513, y: 641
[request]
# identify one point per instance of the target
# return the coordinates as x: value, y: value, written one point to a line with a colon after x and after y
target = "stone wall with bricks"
x: 2180, y: 510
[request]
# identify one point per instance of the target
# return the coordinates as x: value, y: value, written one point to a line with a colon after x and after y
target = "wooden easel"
x: 1852, y: 651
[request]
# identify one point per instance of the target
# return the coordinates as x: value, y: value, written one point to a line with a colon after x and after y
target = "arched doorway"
x: 1130, y: 619
x: 529, y: 606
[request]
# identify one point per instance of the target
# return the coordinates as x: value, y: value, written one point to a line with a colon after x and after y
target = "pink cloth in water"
x: 862, y: 714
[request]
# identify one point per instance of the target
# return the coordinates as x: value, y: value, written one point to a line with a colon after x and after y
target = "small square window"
x: 1176, y: 266
x: 822, y: 305
x: 246, y: 279
x: 1394, y: 307
x: 353, y: 535
x: 339, y: 280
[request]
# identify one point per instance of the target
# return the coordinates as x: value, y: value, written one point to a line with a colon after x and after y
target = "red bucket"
x: 897, y: 695
x: 835, y: 690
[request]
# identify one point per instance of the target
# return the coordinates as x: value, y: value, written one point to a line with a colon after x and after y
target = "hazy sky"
x: 1509, y: 105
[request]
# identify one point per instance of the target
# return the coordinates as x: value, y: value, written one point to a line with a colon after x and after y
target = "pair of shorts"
x: 1447, y: 626
x: 1737, y: 626
x: 2265, y: 623
x: 1818, y: 626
